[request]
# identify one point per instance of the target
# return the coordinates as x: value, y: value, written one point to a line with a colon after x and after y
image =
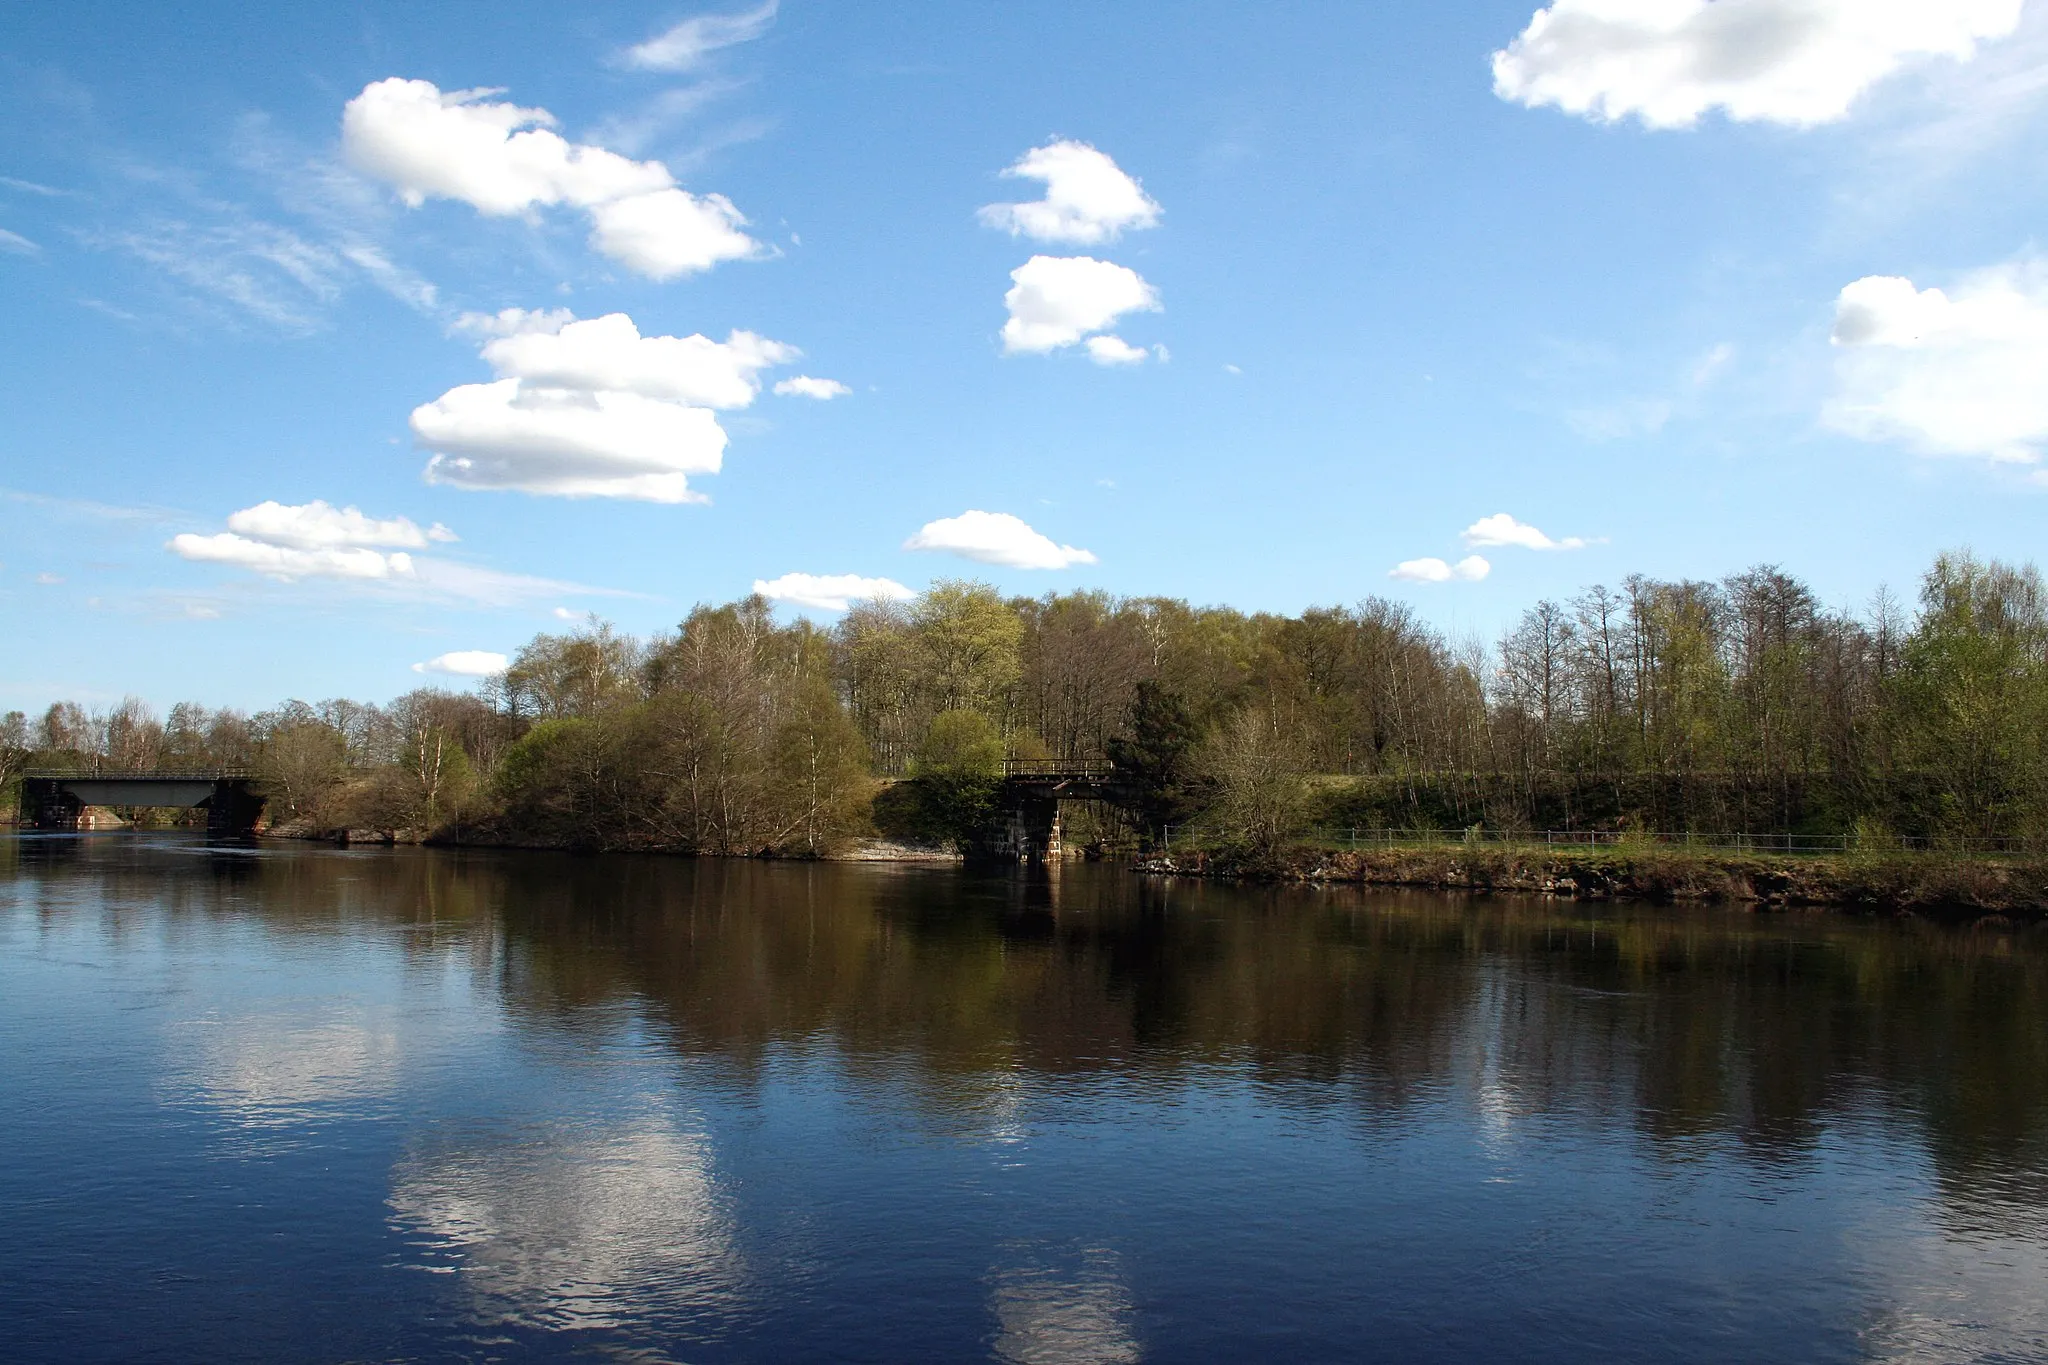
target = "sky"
x: 346, y: 347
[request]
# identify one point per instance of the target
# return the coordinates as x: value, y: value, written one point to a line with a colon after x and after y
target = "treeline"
x: 1744, y: 704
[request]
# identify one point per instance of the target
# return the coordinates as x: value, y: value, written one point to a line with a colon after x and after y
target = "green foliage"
x: 968, y: 642
x: 957, y: 772
x: 1154, y: 762
x: 1742, y: 705
x: 1971, y: 696
x: 1255, y: 761
x: 820, y: 774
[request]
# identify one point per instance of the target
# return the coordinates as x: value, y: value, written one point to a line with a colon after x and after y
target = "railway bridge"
x: 1027, y: 825
x: 55, y: 800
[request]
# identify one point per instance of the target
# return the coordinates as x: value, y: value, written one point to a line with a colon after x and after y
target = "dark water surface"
x: 304, y: 1104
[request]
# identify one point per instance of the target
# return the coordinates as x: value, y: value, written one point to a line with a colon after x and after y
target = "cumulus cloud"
x: 804, y: 386
x: 508, y: 322
x: 996, y: 538
x: 1114, y: 350
x: 317, y: 525
x: 1467, y: 570
x: 608, y: 353
x: 503, y: 159
x: 1502, y: 529
x: 1795, y: 62
x: 671, y: 232
x: 830, y: 592
x: 1055, y: 301
x: 567, y: 443
x: 1947, y: 374
x: 316, y: 541
x: 685, y: 46
x: 286, y: 562
x: 465, y: 663
x: 1088, y: 199
x: 592, y: 408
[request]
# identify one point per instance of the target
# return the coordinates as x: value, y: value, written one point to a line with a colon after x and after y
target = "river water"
x: 303, y: 1104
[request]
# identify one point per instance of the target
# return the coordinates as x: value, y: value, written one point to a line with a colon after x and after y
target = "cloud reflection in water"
x: 273, y: 1073
x: 579, y: 1229
x: 1078, y: 1314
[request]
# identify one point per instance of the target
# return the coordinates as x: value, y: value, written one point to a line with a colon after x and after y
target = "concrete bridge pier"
x: 1027, y: 832
x: 232, y: 811
x: 50, y: 807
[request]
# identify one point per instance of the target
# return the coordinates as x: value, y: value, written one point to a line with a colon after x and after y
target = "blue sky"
x: 1656, y: 275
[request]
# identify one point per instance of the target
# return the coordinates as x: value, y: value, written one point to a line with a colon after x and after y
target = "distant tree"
x: 131, y: 738
x: 819, y: 782
x: 958, y: 769
x: 580, y: 674
x: 968, y: 642
x: 1256, y: 761
x: 299, y: 765
x: 64, y: 730
x: 1155, y: 762
x: 1971, y: 694
x: 14, y: 757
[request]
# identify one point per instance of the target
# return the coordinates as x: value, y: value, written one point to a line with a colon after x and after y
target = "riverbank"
x: 1949, y: 886
x: 1915, y: 883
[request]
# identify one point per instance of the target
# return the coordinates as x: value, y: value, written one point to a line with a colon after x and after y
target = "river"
x: 307, y: 1104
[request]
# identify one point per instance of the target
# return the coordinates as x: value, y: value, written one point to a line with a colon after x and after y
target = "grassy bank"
x: 1923, y: 883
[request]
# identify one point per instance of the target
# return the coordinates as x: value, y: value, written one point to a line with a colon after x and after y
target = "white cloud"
x: 1502, y: 529
x: 1947, y: 374
x: 503, y: 159
x: 1114, y: 350
x: 804, y: 386
x: 314, y: 540
x: 830, y: 592
x: 567, y: 443
x: 996, y: 538
x: 18, y: 244
x: 684, y: 47
x: 49, y: 580
x: 288, y: 563
x: 1088, y: 198
x: 508, y: 322
x: 593, y: 408
x: 318, y: 526
x: 608, y: 353
x: 671, y: 232
x: 569, y: 614
x: 1667, y: 62
x: 1057, y: 300
x: 1467, y: 570
x: 465, y: 663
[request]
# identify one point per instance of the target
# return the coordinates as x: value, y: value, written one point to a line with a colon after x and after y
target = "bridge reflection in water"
x: 57, y: 800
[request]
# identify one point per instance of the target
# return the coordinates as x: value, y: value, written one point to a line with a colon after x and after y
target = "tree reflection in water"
x: 971, y: 1007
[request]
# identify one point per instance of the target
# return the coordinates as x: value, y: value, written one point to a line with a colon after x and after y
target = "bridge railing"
x: 1057, y: 768
x: 97, y: 774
